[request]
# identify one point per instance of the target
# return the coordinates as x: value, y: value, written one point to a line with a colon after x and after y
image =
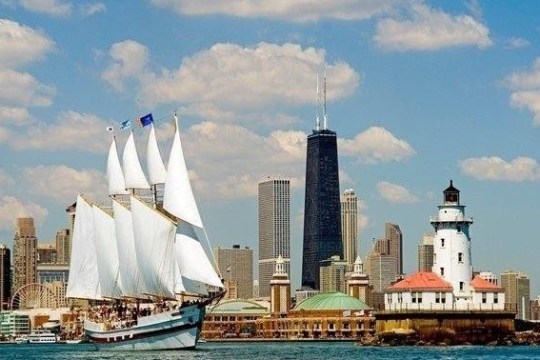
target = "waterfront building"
x: 54, y: 277
x: 63, y: 246
x: 322, y: 208
x: 274, y: 203
x: 236, y: 267
x: 13, y: 324
x: 46, y: 253
x: 349, y: 227
x: 425, y: 253
x: 358, y: 282
x: 517, y: 289
x: 280, y: 290
x: 5, y: 276
x: 24, y: 253
x: 381, y: 271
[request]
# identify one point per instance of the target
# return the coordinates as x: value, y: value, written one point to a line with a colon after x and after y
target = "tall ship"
x: 140, y: 260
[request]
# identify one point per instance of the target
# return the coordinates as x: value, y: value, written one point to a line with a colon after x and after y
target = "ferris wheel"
x: 34, y: 296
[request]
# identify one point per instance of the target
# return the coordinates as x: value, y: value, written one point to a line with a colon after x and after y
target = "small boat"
x: 144, y: 248
x: 23, y: 339
x: 41, y: 336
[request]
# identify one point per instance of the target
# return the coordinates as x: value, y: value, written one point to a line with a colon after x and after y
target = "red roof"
x: 480, y: 284
x: 421, y: 281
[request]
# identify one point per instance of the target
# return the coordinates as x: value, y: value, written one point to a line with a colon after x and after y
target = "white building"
x: 450, y: 285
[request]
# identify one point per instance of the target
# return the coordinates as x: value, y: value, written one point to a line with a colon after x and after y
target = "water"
x: 268, y: 351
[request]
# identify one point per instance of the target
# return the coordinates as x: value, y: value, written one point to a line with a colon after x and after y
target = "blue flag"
x: 146, y: 120
x: 125, y: 124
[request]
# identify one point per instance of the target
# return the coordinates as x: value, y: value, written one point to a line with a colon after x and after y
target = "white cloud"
x: 297, y: 11
x: 431, y: 29
x: 13, y: 115
x: 92, y: 8
x: 20, y: 44
x: 63, y: 183
x: 72, y: 131
x: 5, y: 180
x: 376, y: 144
x: 395, y: 193
x: 494, y: 168
x: 525, y: 86
x: 49, y: 7
x: 363, y: 218
x: 231, y: 77
x: 12, y: 208
x: 22, y: 89
x: 129, y: 60
x: 516, y: 43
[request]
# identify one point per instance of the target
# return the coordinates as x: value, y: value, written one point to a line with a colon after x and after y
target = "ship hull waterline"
x: 169, y: 330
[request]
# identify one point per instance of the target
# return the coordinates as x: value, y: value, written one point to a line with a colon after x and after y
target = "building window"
x: 496, y: 298
x: 461, y: 286
x: 442, y: 271
x: 390, y: 298
x: 459, y: 228
x: 440, y: 297
x: 419, y: 297
x: 442, y: 243
x: 413, y: 297
x: 460, y: 257
x: 400, y: 298
x: 484, y: 298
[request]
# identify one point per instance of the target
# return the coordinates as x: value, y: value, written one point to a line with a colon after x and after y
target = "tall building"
x: 274, y: 202
x: 517, y: 288
x: 46, y: 253
x: 395, y: 244
x: 236, y: 267
x: 349, y: 227
x: 332, y: 274
x: 280, y: 290
x: 381, y: 270
x: 63, y: 246
x: 425, y: 253
x: 358, y: 282
x: 322, y: 209
x: 5, y: 276
x: 24, y: 253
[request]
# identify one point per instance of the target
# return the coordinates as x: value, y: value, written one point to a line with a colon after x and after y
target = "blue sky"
x: 419, y: 92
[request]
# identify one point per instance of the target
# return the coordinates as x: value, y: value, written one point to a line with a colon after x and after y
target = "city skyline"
x: 418, y: 92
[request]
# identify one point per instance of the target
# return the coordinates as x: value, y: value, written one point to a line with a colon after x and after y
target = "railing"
x: 400, y: 307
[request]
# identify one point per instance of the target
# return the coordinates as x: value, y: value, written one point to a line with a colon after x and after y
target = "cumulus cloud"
x: 13, y: 115
x: 63, y: 183
x: 516, y: 43
x: 48, y: 7
x: 363, y: 218
x: 297, y: 11
x: 20, y: 44
x: 395, y: 193
x: 376, y: 144
x: 12, y: 208
x: 92, y: 8
x: 230, y: 77
x: 525, y: 86
x: 431, y: 29
x: 494, y: 168
x: 22, y: 89
x: 71, y: 131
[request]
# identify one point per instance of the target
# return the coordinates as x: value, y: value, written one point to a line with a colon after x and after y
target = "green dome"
x: 331, y: 301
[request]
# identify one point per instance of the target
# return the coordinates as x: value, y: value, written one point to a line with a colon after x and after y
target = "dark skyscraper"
x: 322, y: 209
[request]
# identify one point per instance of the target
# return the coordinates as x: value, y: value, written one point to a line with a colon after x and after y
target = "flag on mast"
x: 146, y: 120
x: 125, y: 124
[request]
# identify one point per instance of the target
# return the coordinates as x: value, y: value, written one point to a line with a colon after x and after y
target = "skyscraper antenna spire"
x: 325, y: 114
x: 318, y: 112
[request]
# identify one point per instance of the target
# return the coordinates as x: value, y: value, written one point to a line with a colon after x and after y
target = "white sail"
x: 117, y: 183
x: 133, y: 172
x: 191, y: 257
x: 154, y: 237
x: 157, y: 174
x: 83, y: 280
x: 178, y: 197
x: 130, y: 274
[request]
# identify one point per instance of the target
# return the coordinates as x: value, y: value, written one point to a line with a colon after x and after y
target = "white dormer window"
x: 442, y: 271
x: 442, y: 243
x: 460, y: 257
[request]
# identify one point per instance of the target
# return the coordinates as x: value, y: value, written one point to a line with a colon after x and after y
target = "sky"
x: 419, y: 92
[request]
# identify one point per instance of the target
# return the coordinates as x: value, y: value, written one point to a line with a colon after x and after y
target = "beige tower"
x: 358, y: 283
x: 236, y: 267
x: 517, y: 290
x: 425, y: 253
x: 63, y: 246
x: 280, y: 289
x: 349, y: 227
x: 24, y: 253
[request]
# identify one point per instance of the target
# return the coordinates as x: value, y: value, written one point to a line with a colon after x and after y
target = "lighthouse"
x: 452, y: 245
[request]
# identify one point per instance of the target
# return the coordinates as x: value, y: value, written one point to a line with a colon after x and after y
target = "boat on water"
x: 141, y: 259
x: 41, y: 336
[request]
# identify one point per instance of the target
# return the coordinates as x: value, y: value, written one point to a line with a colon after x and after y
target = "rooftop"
x: 331, y: 301
x: 421, y: 281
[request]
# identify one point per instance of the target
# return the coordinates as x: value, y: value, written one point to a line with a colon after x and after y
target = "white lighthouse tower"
x: 452, y: 245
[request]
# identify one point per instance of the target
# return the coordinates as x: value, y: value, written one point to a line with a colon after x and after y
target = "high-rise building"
x: 517, y: 289
x: 5, y: 276
x: 274, y: 202
x: 332, y: 274
x: 46, y: 253
x: 24, y: 253
x: 425, y: 253
x: 381, y: 270
x: 322, y: 209
x: 349, y: 227
x: 63, y: 246
x: 395, y: 244
x: 236, y: 267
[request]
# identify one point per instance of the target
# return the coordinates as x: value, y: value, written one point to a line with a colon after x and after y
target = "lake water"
x: 275, y: 350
